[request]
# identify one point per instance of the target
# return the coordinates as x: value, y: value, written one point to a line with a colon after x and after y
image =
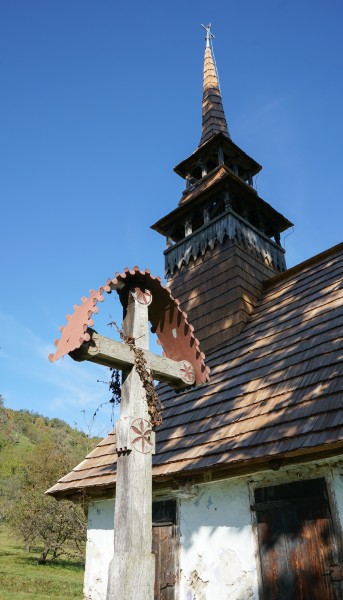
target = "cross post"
x: 132, y: 568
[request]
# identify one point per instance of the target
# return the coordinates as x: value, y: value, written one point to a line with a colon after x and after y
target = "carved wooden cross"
x: 131, y: 571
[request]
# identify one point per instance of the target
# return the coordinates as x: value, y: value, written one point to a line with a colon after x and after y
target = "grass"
x: 21, y: 578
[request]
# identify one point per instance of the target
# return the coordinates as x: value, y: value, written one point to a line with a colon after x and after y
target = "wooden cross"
x: 132, y: 569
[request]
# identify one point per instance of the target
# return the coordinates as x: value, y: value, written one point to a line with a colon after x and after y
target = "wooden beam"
x: 132, y: 568
x: 107, y: 352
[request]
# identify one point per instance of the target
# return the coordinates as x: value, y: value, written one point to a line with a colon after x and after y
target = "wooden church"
x: 248, y: 470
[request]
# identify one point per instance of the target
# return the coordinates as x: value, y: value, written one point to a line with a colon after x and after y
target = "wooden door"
x: 164, y: 546
x: 297, y: 545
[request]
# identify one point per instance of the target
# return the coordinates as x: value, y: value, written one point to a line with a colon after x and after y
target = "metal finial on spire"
x: 213, y: 116
x: 209, y: 34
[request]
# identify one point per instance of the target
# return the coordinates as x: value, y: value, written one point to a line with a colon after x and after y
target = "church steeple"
x: 223, y: 239
x: 213, y: 116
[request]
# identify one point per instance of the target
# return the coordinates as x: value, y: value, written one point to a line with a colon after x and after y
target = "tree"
x: 3, y: 423
x: 59, y: 527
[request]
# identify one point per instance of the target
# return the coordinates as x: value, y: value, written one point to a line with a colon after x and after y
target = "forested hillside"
x: 34, y: 452
x: 24, y: 425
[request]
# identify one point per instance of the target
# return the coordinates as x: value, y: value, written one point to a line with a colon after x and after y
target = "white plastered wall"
x: 217, y: 559
x: 99, y: 550
x: 218, y: 554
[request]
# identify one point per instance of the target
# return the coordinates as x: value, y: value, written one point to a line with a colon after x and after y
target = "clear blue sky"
x: 99, y: 101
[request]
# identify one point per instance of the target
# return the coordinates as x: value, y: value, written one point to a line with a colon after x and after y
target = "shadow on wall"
x: 101, y: 515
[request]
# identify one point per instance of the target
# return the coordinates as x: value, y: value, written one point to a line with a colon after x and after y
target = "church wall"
x: 217, y: 549
x: 219, y: 552
x: 99, y: 549
x: 218, y: 556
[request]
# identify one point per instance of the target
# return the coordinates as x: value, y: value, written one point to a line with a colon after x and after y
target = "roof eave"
x: 182, y: 168
x: 162, y: 224
x: 217, y: 472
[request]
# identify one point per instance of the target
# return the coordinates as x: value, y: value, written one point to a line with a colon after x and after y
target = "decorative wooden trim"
x: 228, y: 224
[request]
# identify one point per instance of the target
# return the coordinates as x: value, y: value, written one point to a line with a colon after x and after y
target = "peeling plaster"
x: 239, y: 583
x: 217, y: 548
x: 218, y: 552
x: 197, y: 586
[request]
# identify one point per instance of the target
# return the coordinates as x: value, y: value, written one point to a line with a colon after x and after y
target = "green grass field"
x: 21, y: 578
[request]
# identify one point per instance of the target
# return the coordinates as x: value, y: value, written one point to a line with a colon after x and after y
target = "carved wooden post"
x: 132, y: 569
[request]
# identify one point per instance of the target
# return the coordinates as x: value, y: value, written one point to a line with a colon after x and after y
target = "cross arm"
x: 108, y: 352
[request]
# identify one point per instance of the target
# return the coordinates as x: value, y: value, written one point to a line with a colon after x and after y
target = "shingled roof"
x: 213, y: 116
x: 275, y: 392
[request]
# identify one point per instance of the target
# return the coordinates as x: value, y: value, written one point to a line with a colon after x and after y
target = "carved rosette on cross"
x: 135, y: 434
x: 142, y: 438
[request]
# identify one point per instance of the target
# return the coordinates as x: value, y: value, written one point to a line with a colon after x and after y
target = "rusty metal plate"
x: 169, y: 322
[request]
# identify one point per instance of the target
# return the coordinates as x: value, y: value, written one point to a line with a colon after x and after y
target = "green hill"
x: 35, y: 452
x: 24, y: 434
x: 21, y: 431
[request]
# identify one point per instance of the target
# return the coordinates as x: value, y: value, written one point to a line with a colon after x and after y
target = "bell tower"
x: 223, y: 239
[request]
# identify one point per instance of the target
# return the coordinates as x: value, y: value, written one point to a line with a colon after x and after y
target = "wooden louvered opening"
x: 299, y: 556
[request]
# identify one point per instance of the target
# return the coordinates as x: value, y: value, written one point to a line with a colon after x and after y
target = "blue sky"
x: 99, y: 101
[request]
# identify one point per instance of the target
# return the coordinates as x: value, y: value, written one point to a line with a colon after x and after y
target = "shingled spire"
x: 213, y: 117
x: 223, y: 239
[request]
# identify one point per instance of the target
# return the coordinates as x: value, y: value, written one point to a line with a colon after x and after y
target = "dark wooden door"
x: 164, y: 546
x: 297, y: 545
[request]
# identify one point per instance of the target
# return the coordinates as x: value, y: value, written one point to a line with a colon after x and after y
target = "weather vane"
x: 209, y: 34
